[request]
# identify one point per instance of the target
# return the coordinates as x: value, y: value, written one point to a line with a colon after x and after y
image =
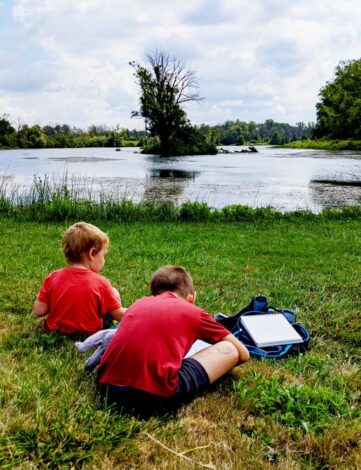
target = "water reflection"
x: 164, y: 188
x: 171, y: 173
x: 164, y: 182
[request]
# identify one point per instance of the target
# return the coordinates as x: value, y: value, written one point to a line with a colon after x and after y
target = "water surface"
x: 286, y: 179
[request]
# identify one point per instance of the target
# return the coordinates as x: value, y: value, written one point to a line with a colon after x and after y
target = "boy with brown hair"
x: 144, y: 367
x: 75, y: 299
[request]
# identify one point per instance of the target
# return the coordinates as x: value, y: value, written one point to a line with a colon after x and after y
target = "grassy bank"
x: 325, y: 144
x: 302, y: 412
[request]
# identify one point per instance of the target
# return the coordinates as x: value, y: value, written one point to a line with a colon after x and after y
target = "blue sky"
x: 65, y: 61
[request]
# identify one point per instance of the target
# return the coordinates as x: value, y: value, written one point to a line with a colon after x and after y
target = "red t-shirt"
x: 77, y: 299
x: 155, y: 334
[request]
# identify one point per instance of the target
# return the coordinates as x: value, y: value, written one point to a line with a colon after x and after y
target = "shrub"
x: 195, y: 211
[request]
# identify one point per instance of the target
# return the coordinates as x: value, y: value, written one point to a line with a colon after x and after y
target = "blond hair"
x: 80, y: 238
x: 171, y: 278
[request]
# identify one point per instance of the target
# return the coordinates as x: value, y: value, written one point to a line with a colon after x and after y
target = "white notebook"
x: 270, y: 329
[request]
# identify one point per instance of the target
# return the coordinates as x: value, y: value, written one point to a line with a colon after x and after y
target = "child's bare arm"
x: 40, y: 308
x: 118, y: 313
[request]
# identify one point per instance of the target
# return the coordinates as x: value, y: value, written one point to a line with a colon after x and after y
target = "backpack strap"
x: 289, y: 314
x: 276, y: 353
x: 259, y: 303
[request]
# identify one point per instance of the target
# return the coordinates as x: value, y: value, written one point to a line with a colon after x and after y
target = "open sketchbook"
x: 270, y: 329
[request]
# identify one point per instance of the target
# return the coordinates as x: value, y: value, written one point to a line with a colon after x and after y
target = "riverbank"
x: 298, y: 413
x: 60, y: 207
x: 322, y: 144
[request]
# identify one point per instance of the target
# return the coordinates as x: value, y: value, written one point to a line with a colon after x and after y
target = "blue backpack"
x: 260, y: 306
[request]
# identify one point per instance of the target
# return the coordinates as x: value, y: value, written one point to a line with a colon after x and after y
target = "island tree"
x: 339, y: 111
x: 166, y: 85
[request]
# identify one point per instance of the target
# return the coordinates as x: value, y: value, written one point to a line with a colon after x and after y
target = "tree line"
x: 64, y: 136
x: 270, y: 132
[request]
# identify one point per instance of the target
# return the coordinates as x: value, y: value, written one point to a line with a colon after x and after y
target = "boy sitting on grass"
x: 143, y: 369
x: 76, y: 299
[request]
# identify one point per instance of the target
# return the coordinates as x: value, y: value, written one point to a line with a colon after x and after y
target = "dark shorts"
x: 107, y: 321
x: 192, y: 380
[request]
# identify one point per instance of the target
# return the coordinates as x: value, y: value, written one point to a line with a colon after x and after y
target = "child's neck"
x: 79, y: 265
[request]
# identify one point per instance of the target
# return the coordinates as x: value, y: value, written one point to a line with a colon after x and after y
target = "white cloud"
x: 254, y: 59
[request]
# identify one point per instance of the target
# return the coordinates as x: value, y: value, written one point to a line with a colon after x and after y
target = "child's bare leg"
x: 217, y: 359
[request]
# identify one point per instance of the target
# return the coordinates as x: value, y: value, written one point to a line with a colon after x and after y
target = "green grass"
x: 293, y: 404
x: 326, y: 144
x: 302, y: 412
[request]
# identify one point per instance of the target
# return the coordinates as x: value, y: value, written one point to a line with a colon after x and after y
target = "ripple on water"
x: 83, y: 159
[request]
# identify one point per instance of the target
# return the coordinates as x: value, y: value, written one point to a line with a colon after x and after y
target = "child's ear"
x: 92, y: 252
x: 191, y: 298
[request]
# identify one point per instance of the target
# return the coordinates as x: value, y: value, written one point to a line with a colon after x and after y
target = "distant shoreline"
x: 322, y: 144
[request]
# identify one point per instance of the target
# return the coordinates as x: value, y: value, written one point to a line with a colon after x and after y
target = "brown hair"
x: 80, y: 238
x: 173, y: 279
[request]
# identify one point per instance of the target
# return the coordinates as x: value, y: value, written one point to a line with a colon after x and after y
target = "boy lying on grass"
x: 76, y: 300
x: 143, y: 368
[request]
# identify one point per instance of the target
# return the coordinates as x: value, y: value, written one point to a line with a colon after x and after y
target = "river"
x: 287, y: 179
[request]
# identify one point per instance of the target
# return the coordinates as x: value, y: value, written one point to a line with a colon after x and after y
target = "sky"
x: 66, y: 61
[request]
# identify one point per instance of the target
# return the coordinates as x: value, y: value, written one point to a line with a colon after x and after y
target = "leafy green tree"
x: 339, y: 111
x: 31, y: 137
x: 276, y: 138
x: 253, y: 131
x: 234, y: 133
x: 116, y: 137
x: 98, y: 130
x: 166, y: 85
x: 7, y: 133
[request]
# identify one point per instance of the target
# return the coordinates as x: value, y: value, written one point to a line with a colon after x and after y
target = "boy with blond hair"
x: 75, y: 299
x: 144, y: 369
